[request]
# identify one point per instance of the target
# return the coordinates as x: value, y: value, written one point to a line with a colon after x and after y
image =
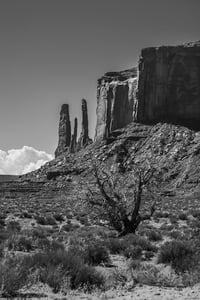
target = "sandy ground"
x: 144, y: 293
x: 139, y: 292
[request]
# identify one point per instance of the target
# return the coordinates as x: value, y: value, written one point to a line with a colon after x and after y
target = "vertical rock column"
x: 64, y: 131
x: 84, y: 136
x: 73, y: 145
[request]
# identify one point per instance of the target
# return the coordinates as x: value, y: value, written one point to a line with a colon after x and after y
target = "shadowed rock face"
x: 84, y: 136
x: 169, y: 85
x: 115, y: 101
x: 64, y: 131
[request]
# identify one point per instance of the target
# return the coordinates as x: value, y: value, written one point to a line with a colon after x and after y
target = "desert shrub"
x: 55, y: 265
x: 136, y: 240
x: 173, y: 219
x: 160, y: 214
x: 2, y: 222
x: 1, y: 251
x: 40, y: 220
x: 84, y: 220
x: 69, y: 215
x: 182, y: 216
x: 149, y: 274
x: 13, y: 276
x: 154, y: 235
x: 58, y: 217
x: 148, y: 254
x: 67, y: 227
x: 4, y: 234
x: 115, y: 245
x: 96, y: 253
x: 13, y: 226
x: 166, y: 227
x: 177, y: 253
x: 175, y: 234
x: 195, y: 213
x: 42, y: 243
x: 38, y: 233
x: 19, y: 243
x: 195, y: 223
x: 53, y: 276
x: 26, y: 214
x: 87, y: 277
x: 49, y: 220
x: 133, y: 252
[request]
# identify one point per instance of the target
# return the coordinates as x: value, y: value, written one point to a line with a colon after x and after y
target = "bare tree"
x: 117, y: 197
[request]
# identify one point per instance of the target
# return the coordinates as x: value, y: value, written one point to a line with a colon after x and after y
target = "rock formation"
x: 73, y: 145
x: 169, y: 85
x: 69, y: 143
x: 115, y: 101
x: 64, y: 131
x: 84, y: 136
x: 166, y: 88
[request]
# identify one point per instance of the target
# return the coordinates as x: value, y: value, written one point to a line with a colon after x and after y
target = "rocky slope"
x: 173, y: 150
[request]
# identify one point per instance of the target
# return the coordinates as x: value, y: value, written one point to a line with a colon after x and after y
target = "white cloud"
x: 21, y: 161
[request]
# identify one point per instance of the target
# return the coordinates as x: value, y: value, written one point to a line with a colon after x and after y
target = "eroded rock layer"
x: 115, y: 101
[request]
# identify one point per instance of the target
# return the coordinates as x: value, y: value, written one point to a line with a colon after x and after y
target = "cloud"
x: 21, y: 161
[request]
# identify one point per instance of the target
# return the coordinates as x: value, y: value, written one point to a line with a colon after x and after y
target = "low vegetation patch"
x: 177, y: 253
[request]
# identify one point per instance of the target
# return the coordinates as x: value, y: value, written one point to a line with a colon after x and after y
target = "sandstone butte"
x: 149, y: 115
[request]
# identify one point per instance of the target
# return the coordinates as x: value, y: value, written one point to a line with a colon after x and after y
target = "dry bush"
x: 153, y: 275
x: 96, y: 253
x: 177, y: 253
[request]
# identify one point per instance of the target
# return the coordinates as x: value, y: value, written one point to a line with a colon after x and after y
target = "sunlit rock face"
x: 169, y: 85
x: 115, y: 101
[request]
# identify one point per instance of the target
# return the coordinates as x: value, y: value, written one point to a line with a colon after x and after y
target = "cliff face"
x: 169, y: 85
x: 115, y: 101
x: 166, y: 88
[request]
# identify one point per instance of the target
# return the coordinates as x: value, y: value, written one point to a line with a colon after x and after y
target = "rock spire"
x: 64, y: 131
x: 84, y: 136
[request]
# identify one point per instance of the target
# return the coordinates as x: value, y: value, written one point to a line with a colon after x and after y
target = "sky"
x: 53, y: 51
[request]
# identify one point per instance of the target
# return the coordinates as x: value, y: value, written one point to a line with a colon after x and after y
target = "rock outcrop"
x: 64, y: 131
x: 169, y: 85
x: 115, y: 101
x: 84, y: 136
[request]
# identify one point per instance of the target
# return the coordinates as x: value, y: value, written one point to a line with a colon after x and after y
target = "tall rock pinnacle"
x: 84, y: 136
x: 64, y: 131
x: 73, y: 145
